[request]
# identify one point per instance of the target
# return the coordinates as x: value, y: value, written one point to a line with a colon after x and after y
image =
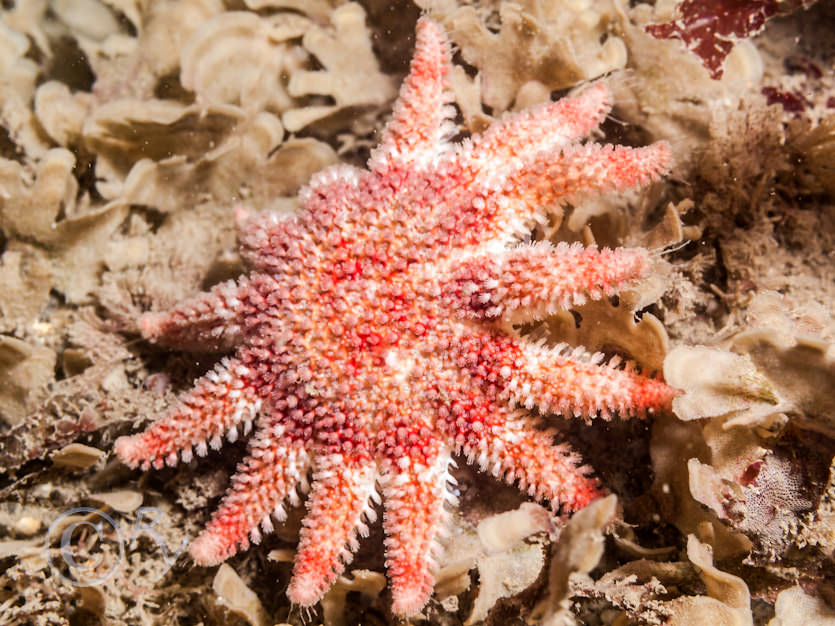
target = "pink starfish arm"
x: 273, y: 244
x: 558, y: 379
x: 508, y: 444
x: 269, y: 475
x: 224, y: 398
x: 557, y: 177
x: 421, y: 117
x: 209, y: 322
x: 521, y: 136
x: 528, y: 282
x: 339, y: 499
x: 571, y: 382
x: 414, y: 496
x: 257, y: 235
x: 508, y: 204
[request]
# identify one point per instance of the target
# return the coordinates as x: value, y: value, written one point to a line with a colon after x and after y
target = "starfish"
x: 376, y: 336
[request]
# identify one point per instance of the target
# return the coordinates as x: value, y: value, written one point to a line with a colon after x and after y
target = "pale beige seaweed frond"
x: 556, y: 44
x: 351, y: 74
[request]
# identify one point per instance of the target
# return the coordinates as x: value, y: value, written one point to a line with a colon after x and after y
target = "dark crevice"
x: 69, y: 65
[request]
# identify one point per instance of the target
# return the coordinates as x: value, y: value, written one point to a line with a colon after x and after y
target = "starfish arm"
x: 515, y: 202
x: 258, y: 234
x: 341, y: 494
x: 415, y: 516
x: 569, y: 382
x: 556, y: 177
x: 224, y: 398
x: 421, y: 117
x: 505, y: 205
x: 509, y: 445
x: 270, y: 474
x: 336, y: 184
x: 211, y: 321
x: 521, y: 136
x: 272, y: 243
x: 283, y: 244
x: 530, y: 281
x: 574, y: 383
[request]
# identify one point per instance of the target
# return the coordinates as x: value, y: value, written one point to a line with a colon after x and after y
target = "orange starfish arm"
x: 414, y: 496
x: 521, y: 136
x: 530, y: 281
x: 572, y: 382
x: 421, y: 118
x: 560, y: 380
x: 513, y: 449
x: 269, y: 475
x: 341, y: 493
x: 209, y: 322
x: 220, y: 401
x: 507, y: 203
x: 553, y: 178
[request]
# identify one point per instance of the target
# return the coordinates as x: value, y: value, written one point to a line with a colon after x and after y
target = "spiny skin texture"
x: 375, y: 340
